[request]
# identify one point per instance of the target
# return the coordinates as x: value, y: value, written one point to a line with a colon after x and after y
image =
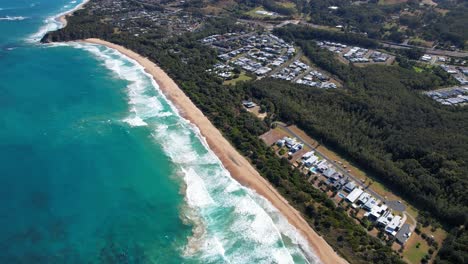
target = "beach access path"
x: 238, y: 166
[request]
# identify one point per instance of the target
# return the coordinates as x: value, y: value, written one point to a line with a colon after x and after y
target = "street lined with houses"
x: 264, y: 55
x: 334, y: 178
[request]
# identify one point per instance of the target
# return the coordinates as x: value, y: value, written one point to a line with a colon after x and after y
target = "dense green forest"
x: 380, y: 120
x: 294, y: 32
x: 450, y: 27
x: 384, y: 124
x: 410, y: 19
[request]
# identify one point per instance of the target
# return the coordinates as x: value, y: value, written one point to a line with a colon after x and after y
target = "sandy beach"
x: 238, y: 166
x: 63, y: 17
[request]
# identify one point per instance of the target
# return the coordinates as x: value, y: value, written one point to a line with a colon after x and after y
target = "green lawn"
x: 252, y: 13
x: 242, y: 77
x: 414, y: 254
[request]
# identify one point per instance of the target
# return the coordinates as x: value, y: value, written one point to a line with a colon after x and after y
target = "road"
x: 388, y: 44
x: 395, y: 205
x: 439, y: 52
x: 284, y: 65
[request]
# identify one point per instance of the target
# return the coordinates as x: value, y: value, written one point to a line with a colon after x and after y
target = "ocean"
x: 97, y: 166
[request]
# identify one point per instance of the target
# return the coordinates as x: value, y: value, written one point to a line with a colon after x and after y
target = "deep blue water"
x: 96, y: 166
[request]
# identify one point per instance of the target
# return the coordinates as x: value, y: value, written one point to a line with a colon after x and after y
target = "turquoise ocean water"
x: 96, y: 166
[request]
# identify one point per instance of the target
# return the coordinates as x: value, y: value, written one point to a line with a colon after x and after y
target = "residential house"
x: 354, y: 195
x: 363, y: 198
x: 385, y: 219
x: 311, y: 161
x: 403, y: 234
x: 393, y: 226
x: 350, y: 186
x: 370, y: 204
x: 329, y: 172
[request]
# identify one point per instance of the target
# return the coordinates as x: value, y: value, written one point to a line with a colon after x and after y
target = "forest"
x: 450, y: 27
x: 445, y: 24
x: 380, y: 120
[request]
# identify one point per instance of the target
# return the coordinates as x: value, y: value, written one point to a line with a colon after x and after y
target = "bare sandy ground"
x: 238, y: 166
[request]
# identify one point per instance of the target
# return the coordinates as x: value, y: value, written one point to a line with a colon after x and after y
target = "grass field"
x: 420, y: 42
x: 242, y: 77
x: 252, y: 13
x: 414, y: 253
x: 439, y: 234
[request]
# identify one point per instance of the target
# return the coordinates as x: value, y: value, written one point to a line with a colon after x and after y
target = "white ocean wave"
x: 52, y: 23
x: 286, y: 228
x: 232, y: 223
x: 13, y: 18
x: 196, y: 192
x: 135, y: 121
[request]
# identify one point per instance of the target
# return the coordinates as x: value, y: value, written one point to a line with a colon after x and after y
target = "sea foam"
x: 13, y: 18
x: 232, y: 223
x: 52, y: 23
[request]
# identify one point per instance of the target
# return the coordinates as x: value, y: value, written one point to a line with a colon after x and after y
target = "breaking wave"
x: 13, y: 18
x: 53, y: 23
x: 232, y: 224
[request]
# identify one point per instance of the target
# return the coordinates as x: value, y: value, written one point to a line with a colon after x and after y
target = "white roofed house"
x: 370, y: 204
x: 248, y: 104
x: 354, y: 195
x: 350, y: 186
x: 308, y: 155
x: 289, y: 142
x: 262, y: 70
x: 385, y: 219
x: 376, y: 211
x: 311, y: 161
x: 363, y: 198
x: 329, y: 172
x: 393, y: 226
x: 426, y: 57
x: 322, y: 166
x: 295, y: 148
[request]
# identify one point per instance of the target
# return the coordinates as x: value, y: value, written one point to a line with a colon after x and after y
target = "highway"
x: 439, y: 52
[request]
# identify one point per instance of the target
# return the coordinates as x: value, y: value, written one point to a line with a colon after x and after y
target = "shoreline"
x: 237, y: 165
x: 62, y: 18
